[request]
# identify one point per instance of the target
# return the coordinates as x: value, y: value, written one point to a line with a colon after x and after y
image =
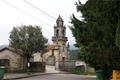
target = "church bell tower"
x: 59, y: 32
x: 60, y: 38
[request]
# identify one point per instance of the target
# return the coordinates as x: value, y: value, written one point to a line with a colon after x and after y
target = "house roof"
x: 19, y: 52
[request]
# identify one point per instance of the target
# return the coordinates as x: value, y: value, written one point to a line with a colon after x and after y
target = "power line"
x: 24, y: 12
x: 39, y: 9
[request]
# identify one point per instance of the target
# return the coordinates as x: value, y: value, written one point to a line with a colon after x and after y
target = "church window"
x: 62, y: 48
x: 63, y: 58
x: 57, y: 33
x: 63, y: 33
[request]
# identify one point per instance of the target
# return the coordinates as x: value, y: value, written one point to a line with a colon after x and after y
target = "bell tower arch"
x: 59, y: 32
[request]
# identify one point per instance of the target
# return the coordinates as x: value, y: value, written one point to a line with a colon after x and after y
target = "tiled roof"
x: 52, y: 47
x: 13, y: 50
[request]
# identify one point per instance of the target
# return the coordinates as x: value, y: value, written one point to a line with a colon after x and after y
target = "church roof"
x: 52, y: 47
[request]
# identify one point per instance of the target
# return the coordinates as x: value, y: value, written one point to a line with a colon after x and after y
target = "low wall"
x: 37, y: 66
x: 68, y: 66
x: 90, y: 69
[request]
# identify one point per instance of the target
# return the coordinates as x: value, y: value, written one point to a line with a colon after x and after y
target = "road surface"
x: 59, y: 77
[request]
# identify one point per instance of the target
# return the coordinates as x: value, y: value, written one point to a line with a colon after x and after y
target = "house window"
x: 4, y: 62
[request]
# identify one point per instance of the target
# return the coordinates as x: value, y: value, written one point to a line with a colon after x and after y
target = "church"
x: 57, y: 52
x: 59, y: 49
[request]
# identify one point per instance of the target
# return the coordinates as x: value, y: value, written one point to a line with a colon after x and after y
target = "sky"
x: 27, y: 15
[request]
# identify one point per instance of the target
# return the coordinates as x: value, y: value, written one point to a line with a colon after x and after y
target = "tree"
x: 118, y: 35
x: 95, y: 34
x: 29, y: 39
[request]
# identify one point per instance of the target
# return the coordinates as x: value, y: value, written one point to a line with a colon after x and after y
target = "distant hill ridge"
x: 3, y: 46
x: 73, y: 47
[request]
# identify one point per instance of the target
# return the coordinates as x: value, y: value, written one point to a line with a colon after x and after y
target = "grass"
x: 83, y: 73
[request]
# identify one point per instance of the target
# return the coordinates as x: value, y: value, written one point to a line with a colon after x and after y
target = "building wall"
x: 15, y: 60
x: 50, y: 53
x: 56, y: 54
x: 37, y: 57
x: 46, y: 55
x: 67, y: 66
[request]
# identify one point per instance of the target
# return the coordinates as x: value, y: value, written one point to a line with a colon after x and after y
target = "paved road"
x: 59, y: 77
x: 51, y: 69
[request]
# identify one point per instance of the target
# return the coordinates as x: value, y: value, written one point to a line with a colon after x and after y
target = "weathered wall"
x: 51, y: 56
x: 90, y: 69
x: 15, y: 60
x: 67, y: 66
x: 37, y: 66
x: 37, y: 57
x: 50, y: 53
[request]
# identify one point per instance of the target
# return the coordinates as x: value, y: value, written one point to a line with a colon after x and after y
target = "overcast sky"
x: 10, y: 17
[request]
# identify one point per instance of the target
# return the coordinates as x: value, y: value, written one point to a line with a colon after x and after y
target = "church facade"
x: 59, y: 50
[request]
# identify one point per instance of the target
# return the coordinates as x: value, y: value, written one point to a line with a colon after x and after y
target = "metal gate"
x: 50, y: 60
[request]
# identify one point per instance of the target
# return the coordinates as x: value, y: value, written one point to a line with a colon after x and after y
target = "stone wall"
x: 37, y: 57
x: 68, y: 66
x: 51, y: 57
x: 15, y: 60
x: 37, y: 66
x: 90, y: 69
